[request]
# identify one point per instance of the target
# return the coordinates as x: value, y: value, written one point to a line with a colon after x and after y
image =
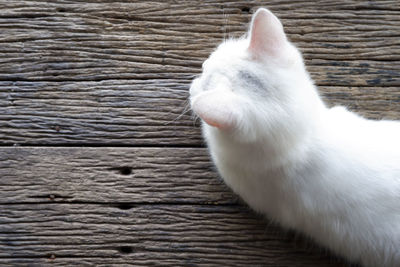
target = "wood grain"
x: 97, y: 73
x: 163, y: 205
x: 63, y: 205
x: 114, y: 113
x: 148, y: 235
x: 118, y: 73
x: 110, y: 175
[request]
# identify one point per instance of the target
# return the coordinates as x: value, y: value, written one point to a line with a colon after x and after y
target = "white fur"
x: 326, y: 172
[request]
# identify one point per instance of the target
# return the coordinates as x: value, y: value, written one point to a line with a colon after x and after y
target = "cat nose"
x: 195, y: 87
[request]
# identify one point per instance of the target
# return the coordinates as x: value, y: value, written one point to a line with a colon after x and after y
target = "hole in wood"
x: 125, y: 249
x: 60, y: 9
x: 125, y: 206
x: 125, y: 170
x: 246, y: 9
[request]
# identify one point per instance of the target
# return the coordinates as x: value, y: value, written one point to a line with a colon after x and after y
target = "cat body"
x: 325, y: 172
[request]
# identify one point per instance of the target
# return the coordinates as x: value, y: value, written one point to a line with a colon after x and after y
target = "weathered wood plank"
x: 153, y: 112
x: 159, y: 204
x: 118, y: 73
x: 110, y: 175
x: 113, y: 112
x: 148, y: 235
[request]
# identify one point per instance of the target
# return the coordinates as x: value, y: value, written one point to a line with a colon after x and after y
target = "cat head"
x: 254, y: 86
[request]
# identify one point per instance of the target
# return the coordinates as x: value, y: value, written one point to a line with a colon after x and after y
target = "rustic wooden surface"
x: 99, y: 162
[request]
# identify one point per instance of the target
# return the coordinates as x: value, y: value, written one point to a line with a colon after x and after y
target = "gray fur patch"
x: 251, y: 80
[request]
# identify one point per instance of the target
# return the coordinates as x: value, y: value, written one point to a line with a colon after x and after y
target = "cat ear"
x: 266, y: 34
x: 216, y: 108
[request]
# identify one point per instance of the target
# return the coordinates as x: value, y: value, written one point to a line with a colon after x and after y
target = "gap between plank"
x: 94, y: 145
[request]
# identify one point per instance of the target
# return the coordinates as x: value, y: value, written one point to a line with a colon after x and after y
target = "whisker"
x: 224, y: 15
x: 185, y: 110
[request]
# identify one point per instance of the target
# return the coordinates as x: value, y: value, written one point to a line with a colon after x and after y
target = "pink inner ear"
x: 266, y: 33
x: 216, y: 109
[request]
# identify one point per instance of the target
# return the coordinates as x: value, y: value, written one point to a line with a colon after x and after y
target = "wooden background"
x: 100, y: 164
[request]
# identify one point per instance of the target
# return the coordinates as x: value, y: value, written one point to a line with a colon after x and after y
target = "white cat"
x: 326, y: 172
